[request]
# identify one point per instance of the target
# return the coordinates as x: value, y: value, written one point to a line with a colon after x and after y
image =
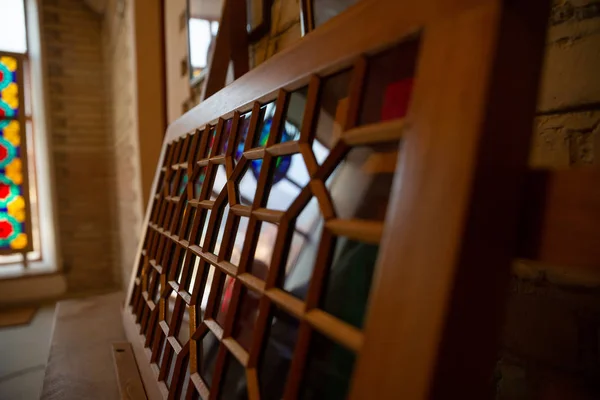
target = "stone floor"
x: 23, y: 356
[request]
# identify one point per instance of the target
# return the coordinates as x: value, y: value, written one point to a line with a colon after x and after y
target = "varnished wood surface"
x: 128, y: 376
x: 443, y: 266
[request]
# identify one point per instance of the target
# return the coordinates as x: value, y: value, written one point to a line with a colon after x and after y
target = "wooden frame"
x: 450, y: 231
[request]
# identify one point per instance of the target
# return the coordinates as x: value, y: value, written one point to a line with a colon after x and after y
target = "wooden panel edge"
x: 143, y: 361
x: 128, y: 375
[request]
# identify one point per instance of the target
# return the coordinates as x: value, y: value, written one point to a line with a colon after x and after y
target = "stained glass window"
x: 9, y: 89
x: 13, y: 234
x: 14, y: 199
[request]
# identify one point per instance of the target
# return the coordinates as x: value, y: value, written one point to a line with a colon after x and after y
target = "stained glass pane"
x: 9, y: 90
x: 13, y: 235
x: 12, y: 26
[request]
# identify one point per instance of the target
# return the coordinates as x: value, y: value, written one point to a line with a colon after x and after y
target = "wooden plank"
x: 128, y: 376
x: 560, y: 221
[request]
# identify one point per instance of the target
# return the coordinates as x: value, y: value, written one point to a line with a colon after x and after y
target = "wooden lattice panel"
x: 298, y: 187
x: 315, y: 227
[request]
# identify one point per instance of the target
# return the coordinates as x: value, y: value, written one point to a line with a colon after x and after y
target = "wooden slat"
x: 238, y: 351
x: 214, y: 328
x: 175, y: 344
x: 337, y: 330
x: 252, y: 382
x: 200, y: 385
x: 361, y: 230
x: 241, y: 210
x: 227, y: 267
x: 285, y: 148
x: 375, y: 133
x: 286, y: 301
x: 561, y: 218
x: 264, y: 214
x: 252, y: 282
x: 254, y: 154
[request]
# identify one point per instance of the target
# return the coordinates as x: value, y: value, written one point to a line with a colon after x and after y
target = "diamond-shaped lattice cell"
x: 234, y: 379
x: 274, y: 363
x: 267, y: 112
x: 218, y: 179
x: 183, y: 333
x: 225, y: 135
x: 170, y: 302
x: 223, y: 295
x: 203, y: 285
x: 242, y: 134
x: 207, y: 348
x: 247, y: 183
x: 304, y: 247
x: 245, y: 319
x: 199, y: 233
x: 348, y: 280
x: 199, y: 177
x: 240, y: 225
x: 361, y: 184
x: 294, y: 115
x: 220, y: 233
x: 289, y: 176
x: 260, y: 263
x: 333, y: 105
x: 178, y: 363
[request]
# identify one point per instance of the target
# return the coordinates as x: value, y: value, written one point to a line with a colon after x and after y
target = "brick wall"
x: 79, y: 143
x: 118, y: 50
x: 551, y: 342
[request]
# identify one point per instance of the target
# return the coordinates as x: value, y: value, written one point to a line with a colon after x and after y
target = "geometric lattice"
x: 263, y: 238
